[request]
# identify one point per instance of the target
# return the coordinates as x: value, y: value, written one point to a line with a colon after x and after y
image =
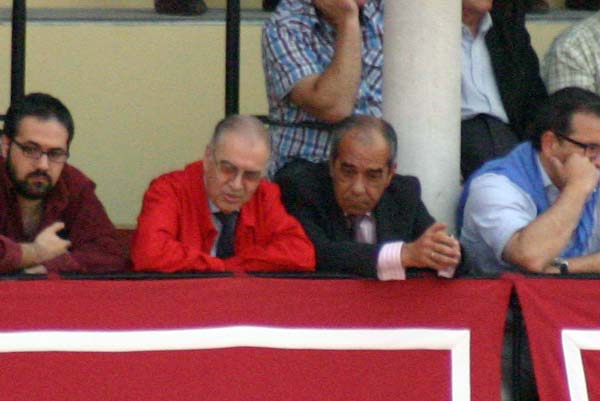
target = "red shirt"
x: 73, y: 201
x: 175, y: 230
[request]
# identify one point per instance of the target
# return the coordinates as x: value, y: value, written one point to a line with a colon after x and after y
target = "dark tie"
x: 225, y: 243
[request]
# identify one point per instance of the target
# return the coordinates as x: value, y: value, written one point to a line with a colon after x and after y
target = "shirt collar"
x: 213, y: 208
x: 368, y: 214
x: 485, y: 25
x: 546, y: 181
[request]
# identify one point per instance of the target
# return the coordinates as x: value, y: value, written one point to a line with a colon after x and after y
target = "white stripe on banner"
x: 457, y: 341
x: 573, y: 341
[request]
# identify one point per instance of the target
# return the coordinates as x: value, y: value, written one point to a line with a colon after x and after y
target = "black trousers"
x: 483, y: 138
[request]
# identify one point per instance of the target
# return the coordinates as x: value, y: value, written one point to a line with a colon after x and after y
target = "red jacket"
x: 175, y: 230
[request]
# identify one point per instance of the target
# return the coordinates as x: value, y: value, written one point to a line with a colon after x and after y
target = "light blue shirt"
x: 495, y: 210
x: 479, y: 90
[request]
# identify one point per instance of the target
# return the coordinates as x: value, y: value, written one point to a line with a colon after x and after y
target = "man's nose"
x: 237, y: 181
x: 43, y: 162
x: 358, y: 185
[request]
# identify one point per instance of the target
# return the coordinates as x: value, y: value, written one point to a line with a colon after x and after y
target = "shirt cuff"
x: 11, y: 255
x: 447, y: 272
x: 389, y: 262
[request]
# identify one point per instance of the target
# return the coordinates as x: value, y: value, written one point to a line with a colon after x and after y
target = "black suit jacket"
x: 307, y: 193
x: 516, y: 68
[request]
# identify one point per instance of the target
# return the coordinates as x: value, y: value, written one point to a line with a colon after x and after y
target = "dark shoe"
x: 180, y: 7
x: 536, y: 6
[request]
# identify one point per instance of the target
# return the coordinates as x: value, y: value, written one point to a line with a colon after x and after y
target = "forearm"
x: 63, y: 263
x: 331, y: 96
x: 15, y: 256
x: 287, y: 248
x: 535, y: 246
x: 101, y: 256
x: 585, y: 264
x: 168, y: 255
x: 18, y: 256
x: 29, y: 256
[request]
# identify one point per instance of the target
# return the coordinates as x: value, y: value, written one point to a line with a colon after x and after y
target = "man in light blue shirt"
x: 536, y: 209
x: 500, y: 82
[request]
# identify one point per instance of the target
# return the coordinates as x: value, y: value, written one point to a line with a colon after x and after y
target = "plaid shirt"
x: 574, y: 57
x: 297, y: 43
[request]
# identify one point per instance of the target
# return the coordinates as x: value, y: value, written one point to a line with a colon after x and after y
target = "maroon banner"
x: 252, y: 339
x: 563, y: 324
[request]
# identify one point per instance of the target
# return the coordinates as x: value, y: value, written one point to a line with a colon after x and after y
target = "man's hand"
x: 434, y: 248
x: 578, y: 172
x: 338, y: 12
x: 48, y: 245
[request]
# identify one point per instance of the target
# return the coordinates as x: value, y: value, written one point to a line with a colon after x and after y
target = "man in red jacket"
x: 220, y: 214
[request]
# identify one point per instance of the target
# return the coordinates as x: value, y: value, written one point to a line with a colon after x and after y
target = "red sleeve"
x: 10, y: 255
x: 157, y: 244
x: 95, y: 248
x: 286, y: 246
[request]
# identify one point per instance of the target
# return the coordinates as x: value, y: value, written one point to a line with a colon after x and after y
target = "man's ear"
x: 208, y: 152
x: 548, y: 142
x: 391, y: 172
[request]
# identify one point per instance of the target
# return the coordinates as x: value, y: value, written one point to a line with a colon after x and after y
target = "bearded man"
x: 50, y: 218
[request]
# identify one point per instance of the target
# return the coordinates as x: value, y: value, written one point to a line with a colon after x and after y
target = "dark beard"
x: 24, y: 188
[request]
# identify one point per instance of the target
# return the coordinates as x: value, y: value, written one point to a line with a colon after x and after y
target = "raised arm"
x: 536, y: 245
x: 331, y: 95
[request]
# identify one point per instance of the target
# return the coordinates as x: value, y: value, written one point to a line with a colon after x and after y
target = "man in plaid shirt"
x: 574, y: 57
x: 323, y: 61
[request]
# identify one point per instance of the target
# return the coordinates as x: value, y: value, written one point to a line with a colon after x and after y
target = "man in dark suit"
x: 501, y: 86
x: 363, y: 218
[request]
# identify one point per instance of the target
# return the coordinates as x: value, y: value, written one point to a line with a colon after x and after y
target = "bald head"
x: 249, y: 127
x: 366, y: 130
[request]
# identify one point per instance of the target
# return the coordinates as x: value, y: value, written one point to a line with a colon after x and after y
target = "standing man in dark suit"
x: 363, y: 218
x: 501, y: 86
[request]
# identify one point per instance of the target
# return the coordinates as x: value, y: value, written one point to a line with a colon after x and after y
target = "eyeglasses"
x: 230, y: 171
x: 34, y: 152
x: 590, y: 149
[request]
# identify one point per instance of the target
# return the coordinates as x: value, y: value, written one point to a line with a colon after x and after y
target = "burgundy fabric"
x: 249, y: 373
x: 73, y: 201
x: 175, y: 230
x: 124, y: 238
x: 550, y: 305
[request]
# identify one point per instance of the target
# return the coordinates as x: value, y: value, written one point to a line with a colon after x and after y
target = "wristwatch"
x: 562, y: 264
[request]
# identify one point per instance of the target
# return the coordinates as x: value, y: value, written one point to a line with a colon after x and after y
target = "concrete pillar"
x: 422, y: 96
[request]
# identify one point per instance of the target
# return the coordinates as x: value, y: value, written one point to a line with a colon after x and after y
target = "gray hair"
x: 365, y: 124
x: 248, y: 125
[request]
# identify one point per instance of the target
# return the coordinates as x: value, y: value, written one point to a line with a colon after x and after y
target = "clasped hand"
x: 434, y: 248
